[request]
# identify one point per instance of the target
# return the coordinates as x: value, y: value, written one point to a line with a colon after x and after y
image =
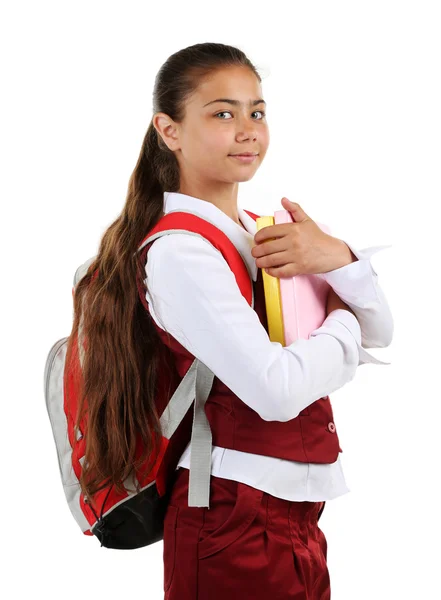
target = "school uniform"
x: 269, y: 483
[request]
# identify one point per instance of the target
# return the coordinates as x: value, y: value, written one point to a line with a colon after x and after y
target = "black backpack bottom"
x: 137, y: 522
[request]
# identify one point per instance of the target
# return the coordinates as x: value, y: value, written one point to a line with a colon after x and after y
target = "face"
x: 212, y: 132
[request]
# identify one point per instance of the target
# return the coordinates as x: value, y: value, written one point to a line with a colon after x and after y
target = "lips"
x: 245, y: 159
x: 245, y: 154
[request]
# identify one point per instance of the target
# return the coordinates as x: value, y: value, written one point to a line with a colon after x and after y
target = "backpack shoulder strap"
x: 198, y: 381
x: 180, y: 221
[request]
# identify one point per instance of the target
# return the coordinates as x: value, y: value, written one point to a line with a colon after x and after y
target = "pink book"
x: 303, y: 297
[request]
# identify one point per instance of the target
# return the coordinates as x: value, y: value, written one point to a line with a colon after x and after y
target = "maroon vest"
x: 309, y: 437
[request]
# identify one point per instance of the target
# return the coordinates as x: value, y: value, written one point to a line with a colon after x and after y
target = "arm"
x: 357, y: 285
x: 193, y: 294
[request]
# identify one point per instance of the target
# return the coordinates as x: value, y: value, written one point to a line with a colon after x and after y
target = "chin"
x: 246, y: 176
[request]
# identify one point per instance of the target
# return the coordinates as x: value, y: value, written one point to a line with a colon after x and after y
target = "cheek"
x: 265, y: 139
x: 213, y: 147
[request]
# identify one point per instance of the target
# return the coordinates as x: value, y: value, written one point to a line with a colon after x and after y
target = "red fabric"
x: 310, y: 437
x: 249, y: 544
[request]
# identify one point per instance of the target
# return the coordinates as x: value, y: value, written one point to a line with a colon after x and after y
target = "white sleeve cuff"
x: 346, y: 318
x: 356, y: 281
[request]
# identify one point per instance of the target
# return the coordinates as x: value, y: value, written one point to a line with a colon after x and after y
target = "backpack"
x: 136, y: 519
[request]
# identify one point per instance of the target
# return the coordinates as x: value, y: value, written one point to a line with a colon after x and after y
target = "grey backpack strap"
x: 179, y: 403
x: 201, y: 442
x: 196, y: 385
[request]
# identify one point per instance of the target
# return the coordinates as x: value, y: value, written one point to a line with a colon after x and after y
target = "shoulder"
x: 184, y: 257
x: 182, y: 239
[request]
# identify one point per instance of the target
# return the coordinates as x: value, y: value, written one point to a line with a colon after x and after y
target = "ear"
x: 168, y: 130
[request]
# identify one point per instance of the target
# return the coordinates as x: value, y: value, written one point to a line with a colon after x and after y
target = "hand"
x: 299, y: 247
x: 334, y: 301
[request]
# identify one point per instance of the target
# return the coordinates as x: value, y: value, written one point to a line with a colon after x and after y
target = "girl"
x: 275, y: 447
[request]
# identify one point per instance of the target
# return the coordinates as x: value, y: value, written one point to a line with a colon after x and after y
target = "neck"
x: 223, y: 196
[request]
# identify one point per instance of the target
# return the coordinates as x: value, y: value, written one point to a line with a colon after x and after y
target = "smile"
x: 244, y: 159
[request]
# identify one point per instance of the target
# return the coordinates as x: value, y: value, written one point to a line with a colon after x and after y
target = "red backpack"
x: 133, y: 520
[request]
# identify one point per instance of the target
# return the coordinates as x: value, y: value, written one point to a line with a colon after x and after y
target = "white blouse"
x: 192, y: 294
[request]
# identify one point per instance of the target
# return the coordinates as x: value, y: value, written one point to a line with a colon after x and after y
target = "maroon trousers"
x: 247, y: 545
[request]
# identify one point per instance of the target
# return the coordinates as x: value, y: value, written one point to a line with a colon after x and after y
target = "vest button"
x: 331, y: 427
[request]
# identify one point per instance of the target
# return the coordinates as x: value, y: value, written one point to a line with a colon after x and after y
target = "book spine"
x: 271, y: 288
x: 288, y: 290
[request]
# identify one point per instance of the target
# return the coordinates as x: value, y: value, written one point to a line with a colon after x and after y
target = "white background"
x: 353, y: 92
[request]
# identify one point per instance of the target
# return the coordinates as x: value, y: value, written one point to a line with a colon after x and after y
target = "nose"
x: 247, y: 132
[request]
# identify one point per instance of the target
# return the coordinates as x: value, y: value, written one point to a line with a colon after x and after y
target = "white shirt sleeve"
x: 357, y: 285
x: 193, y: 295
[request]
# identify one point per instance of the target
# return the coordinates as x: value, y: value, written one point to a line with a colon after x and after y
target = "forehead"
x: 239, y: 83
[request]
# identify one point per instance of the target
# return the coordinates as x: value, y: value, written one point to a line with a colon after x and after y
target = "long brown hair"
x: 124, y: 350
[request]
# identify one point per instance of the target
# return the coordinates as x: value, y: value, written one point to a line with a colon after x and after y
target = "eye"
x: 224, y: 112
x: 227, y: 112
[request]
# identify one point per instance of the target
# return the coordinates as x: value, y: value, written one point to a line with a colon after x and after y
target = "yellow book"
x: 273, y: 300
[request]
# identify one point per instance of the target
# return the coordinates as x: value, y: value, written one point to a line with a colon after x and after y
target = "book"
x: 273, y: 302
x: 295, y: 306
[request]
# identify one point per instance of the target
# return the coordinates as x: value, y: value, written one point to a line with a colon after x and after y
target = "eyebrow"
x: 236, y: 102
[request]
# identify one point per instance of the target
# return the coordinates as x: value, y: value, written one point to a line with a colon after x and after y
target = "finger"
x: 275, y: 260
x: 269, y: 247
x: 287, y: 271
x: 296, y: 210
x: 272, y: 231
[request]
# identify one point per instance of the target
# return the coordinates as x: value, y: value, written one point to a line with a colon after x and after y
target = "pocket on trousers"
x: 230, y: 517
x: 169, y: 541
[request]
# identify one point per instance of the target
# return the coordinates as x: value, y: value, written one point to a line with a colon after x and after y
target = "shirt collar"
x: 242, y: 240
